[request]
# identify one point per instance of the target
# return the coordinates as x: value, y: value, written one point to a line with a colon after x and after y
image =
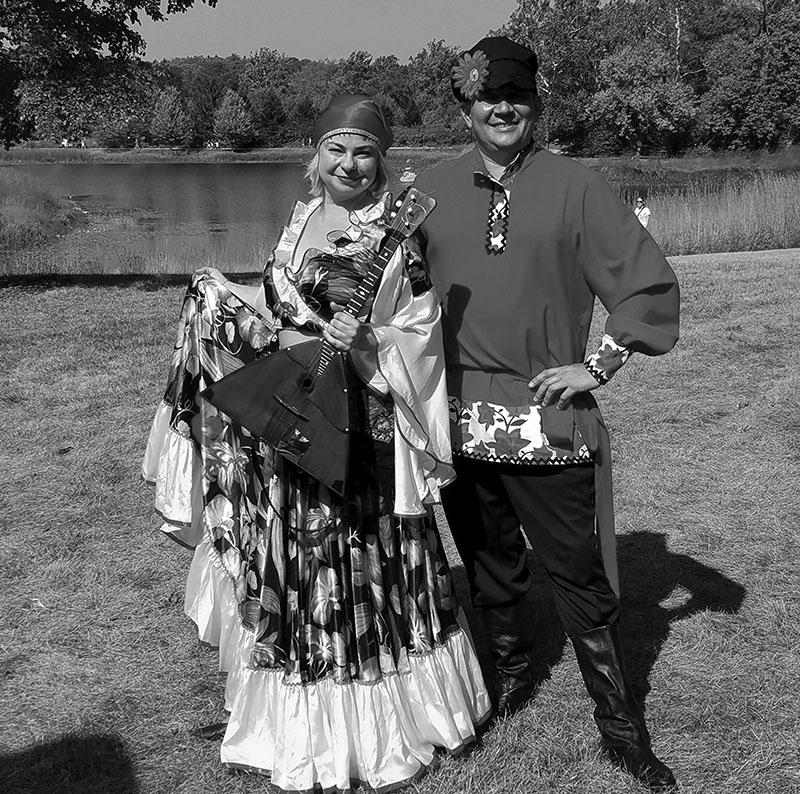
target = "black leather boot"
x: 617, y: 714
x: 508, y: 630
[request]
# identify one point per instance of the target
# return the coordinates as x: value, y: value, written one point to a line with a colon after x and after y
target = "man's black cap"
x: 492, y: 62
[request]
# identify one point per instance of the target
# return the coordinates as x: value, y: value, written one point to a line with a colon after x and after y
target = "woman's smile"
x: 348, y: 166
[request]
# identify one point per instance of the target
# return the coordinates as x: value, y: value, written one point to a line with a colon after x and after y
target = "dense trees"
x: 616, y: 76
x: 170, y: 124
x: 233, y: 122
x: 434, y: 109
x: 640, y: 101
x: 566, y: 37
x: 53, y: 51
x: 202, y: 82
x: 665, y: 75
x: 109, y: 100
x: 51, y: 35
x: 11, y: 125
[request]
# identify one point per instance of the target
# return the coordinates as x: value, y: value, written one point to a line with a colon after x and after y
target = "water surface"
x: 178, y: 215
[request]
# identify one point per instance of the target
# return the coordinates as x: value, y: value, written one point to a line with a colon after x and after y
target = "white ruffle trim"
x: 210, y: 604
x: 327, y: 734
x: 172, y: 465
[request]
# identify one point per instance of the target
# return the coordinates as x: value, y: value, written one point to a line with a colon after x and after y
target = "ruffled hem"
x: 327, y: 735
x: 172, y: 465
x: 399, y: 786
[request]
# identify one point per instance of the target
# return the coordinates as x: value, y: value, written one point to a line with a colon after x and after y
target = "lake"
x: 170, y: 217
x: 175, y: 217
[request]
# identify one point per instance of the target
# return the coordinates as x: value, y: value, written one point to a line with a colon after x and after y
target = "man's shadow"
x: 73, y: 764
x: 658, y: 588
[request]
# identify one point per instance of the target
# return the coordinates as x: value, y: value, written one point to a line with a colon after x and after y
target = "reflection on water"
x: 189, y: 214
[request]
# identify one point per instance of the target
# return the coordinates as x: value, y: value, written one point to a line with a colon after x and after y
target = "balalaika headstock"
x: 407, y: 212
x: 402, y: 218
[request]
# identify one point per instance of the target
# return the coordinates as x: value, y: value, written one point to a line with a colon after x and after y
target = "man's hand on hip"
x: 558, y: 385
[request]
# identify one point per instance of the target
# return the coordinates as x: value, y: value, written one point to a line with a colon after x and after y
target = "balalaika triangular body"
x: 307, y: 420
x: 298, y: 399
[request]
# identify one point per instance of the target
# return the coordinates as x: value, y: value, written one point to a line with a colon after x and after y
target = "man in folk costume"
x: 521, y: 243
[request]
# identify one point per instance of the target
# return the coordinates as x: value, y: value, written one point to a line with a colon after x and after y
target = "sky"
x: 318, y: 29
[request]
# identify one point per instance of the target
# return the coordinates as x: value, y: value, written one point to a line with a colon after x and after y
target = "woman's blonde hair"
x: 382, y: 177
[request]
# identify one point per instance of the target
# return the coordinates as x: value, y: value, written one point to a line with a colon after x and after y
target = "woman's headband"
x: 354, y: 114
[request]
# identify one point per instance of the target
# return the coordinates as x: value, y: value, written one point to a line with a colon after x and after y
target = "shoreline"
x: 399, y: 157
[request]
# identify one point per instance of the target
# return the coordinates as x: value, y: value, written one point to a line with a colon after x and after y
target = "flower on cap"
x: 470, y: 73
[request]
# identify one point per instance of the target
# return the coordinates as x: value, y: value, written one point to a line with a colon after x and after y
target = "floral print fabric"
x: 330, y: 587
x: 487, y: 431
x: 608, y: 359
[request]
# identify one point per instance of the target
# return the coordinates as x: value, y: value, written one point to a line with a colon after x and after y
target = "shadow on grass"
x: 143, y: 281
x: 73, y: 764
x: 658, y: 588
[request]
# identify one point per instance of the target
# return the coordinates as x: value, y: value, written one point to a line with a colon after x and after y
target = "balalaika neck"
x: 367, y: 288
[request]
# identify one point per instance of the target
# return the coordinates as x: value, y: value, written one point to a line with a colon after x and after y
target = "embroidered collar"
x: 511, y: 170
x: 500, y: 197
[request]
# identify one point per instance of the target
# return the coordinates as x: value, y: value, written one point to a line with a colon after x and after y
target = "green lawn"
x: 102, y: 677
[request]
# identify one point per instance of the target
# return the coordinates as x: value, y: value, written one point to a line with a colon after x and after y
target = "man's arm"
x: 626, y: 270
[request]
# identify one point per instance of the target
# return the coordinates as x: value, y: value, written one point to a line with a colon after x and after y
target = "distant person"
x: 334, y: 615
x: 521, y: 244
x: 408, y: 174
x: 642, y: 212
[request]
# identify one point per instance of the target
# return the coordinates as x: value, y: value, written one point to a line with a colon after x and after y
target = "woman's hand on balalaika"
x: 345, y: 332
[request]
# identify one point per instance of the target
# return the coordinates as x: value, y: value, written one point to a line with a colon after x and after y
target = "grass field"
x: 103, y: 679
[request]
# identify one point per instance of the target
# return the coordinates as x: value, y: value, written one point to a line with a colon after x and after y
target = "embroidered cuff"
x: 610, y: 357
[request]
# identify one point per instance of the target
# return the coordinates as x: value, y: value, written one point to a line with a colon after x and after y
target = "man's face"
x: 502, y: 120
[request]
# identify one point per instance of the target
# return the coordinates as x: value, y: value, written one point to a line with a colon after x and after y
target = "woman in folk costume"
x: 335, y: 616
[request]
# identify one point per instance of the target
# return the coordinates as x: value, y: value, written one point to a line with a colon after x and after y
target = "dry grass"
x: 744, y: 214
x: 29, y: 214
x: 102, y: 675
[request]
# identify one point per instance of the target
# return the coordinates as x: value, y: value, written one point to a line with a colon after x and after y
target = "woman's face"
x: 348, y: 167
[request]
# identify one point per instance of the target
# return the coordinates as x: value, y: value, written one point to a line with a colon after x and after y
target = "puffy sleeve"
x: 408, y: 363
x: 627, y: 271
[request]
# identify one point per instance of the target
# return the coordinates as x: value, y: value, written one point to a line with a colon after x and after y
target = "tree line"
x: 626, y: 76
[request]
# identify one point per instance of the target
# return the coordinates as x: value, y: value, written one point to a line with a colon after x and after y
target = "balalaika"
x: 296, y: 399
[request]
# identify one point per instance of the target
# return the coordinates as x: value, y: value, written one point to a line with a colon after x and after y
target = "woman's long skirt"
x: 336, y: 621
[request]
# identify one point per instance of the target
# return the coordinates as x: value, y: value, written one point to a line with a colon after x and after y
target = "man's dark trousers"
x: 485, y: 507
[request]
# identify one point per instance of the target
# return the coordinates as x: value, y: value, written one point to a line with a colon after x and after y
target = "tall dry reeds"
x: 741, y: 214
x: 29, y: 213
